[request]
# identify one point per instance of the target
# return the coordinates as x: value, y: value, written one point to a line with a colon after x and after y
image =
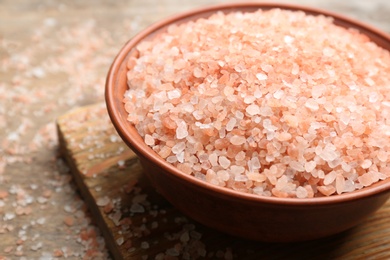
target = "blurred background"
x: 54, y: 56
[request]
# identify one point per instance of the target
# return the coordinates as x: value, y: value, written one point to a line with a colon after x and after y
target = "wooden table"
x: 54, y: 56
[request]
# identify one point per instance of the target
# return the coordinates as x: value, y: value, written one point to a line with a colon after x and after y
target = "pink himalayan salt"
x: 292, y: 112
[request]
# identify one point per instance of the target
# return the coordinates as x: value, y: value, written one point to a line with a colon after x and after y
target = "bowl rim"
x: 136, y: 143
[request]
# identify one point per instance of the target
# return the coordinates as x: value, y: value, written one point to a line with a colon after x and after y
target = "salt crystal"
x: 366, y: 179
x: 149, y: 140
x: 179, y: 147
x: 228, y: 91
x: 340, y: 184
x: 328, y: 155
x: 180, y: 157
x: 239, y: 115
x: 366, y: 164
x: 288, y: 39
x: 330, y: 177
x: 237, y: 140
x: 373, y: 97
x: 253, y: 110
x: 345, y: 118
x: 301, y: 192
x: 257, y: 94
x: 310, y: 166
x: 240, y: 156
x: 175, y: 93
x: 223, y: 175
x: 241, y: 178
x: 237, y: 169
x: 349, y: 186
x: 312, y: 104
x: 328, y: 51
x: 318, y: 90
x: 369, y: 81
x: 382, y: 156
x: 213, y: 159
x: 295, y: 69
x: 261, y: 76
x: 231, y: 124
x: 278, y: 94
x: 297, y: 166
x: 181, y: 131
x: 197, y: 72
x: 224, y: 162
x: 249, y: 99
x: 255, y: 163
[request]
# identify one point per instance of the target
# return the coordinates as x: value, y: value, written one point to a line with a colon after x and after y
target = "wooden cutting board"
x: 138, y: 223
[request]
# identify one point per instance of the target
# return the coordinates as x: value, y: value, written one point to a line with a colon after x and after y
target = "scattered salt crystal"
x: 120, y: 241
x: 8, y: 216
x: 145, y: 245
x: 137, y: 208
x: 38, y: 72
x: 103, y: 201
x: 41, y: 221
x: 36, y: 246
x: 185, y: 237
x: 121, y: 163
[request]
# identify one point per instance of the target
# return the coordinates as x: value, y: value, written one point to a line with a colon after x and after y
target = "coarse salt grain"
x: 269, y: 115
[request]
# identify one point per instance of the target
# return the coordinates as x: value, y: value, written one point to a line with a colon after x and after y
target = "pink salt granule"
x: 273, y: 103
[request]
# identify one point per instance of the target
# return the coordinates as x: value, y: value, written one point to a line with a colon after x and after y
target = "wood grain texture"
x: 138, y: 223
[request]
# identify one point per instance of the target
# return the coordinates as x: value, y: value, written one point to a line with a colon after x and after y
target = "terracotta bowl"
x: 244, y: 215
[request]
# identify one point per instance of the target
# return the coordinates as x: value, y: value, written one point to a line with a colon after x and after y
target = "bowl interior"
x: 116, y: 85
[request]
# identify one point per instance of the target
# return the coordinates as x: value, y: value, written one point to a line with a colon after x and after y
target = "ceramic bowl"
x: 244, y: 215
